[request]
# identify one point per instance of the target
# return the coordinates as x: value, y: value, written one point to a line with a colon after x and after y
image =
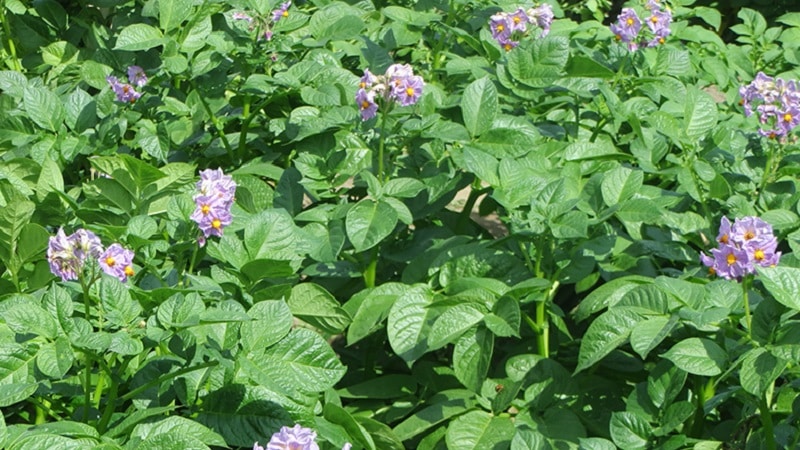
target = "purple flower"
x: 367, y: 80
x: 366, y: 104
x: 542, y: 15
x: 137, y: 76
x: 281, y: 12
x: 659, y: 23
x: 627, y: 27
x: 743, y: 246
x: 517, y: 20
x: 239, y: 15
x: 213, y: 200
x: 61, y: 256
x: 409, y: 90
x: 124, y: 91
x: 501, y: 27
x: 776, y: 101
x: 295, y: 438
x: 86, y: 244
x: 117, y: 261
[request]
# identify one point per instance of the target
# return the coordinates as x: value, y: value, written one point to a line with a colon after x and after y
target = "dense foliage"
x: 463, y: 224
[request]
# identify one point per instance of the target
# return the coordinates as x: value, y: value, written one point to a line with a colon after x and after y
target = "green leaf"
x: 698, y: 356
x: 315, y: 305
x: 120, y: 309
x: 479, y: 430
x: 241, y: 414
x: 452, y: 323
x: 272, y: 321
x: 629, y: 430
x: 171, y: 13
x: 259, y: 269
x: 369, y: 222
x: 382, y: 387
x: 271, y: 234
x: 27, y: 316
x: 289, y: 191
x: 664, y: 382
x: 339, y: 416
x: 621, y: 184
x: 607, y: 332
x: 700, y: 114
x: 17, y: 381
x: 540, y: 63
x: 646, y: 335
x: 403, y: 187
x: 595, y: 444
x: 479, y: 106
x: 373, y: 310
x: 410, y: 321
x: 440, y: 407
x: 783, y: 283
x: 303, y: 360
x: 471, y: 357
x: 639, y: 210
x: 759, y: 370
x: 55, y: 358
x: 44, y: 108
x: 505, y: 318
x: 139, y: 36
x: 181, y: 312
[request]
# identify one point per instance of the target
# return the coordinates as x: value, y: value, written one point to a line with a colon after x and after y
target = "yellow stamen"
x: 731, y: 259
x: 749, y: 235
x: 508, y: 47
x: 787, y: 117
x: 517, y: 20
x: 617, y: 37
x: 629, y: 21
x: 500, y: 28
x: 759, y: 255
x: 723, y: 239
x: 654, y: 19
x: 285, y: 14
x: 216, y: 224
x: 129, y: 271
x: 410, y: 91
x: 110, y: 261
x: 364, y: 104
x: 205, y: 209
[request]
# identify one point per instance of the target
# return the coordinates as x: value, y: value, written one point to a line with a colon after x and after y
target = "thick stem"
x: 543, y: 335
x: 371, y: 269
x: 12, y: 49
x: 766, y: 421
x: 216, y: 123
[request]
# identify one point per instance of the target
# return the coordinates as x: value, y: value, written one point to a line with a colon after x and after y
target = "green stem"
x: 12, y: 49
x: 745, y: 288
x: 766, y: 421
x: 372, y: 268
x: 167, y: 377
x: 382, y: 143
x: 87, y: 369
x: 543, y: 336
x: 215, y: 122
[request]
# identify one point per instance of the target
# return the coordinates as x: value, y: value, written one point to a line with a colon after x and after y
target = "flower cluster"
x: 214, y: 198
x: 398, y: 84
x: 776, y: 101
x: 264, y: 22
x: 747, y: 243
x: 295, y: 438
x: 126, y: 93
x: 508, y: 28
x: 68, y: 254
x: 629, y: 25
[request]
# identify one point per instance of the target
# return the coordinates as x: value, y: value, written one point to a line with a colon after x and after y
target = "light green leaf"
x: 55, y: 358
x: 440, y: 407
x: 272, y: 321
x: 369, y: 222
x: 607, y: 332
x: 479, y: 106
x: 410, y: 321
x: 783, y: 283
x: 171, y: 13
x: 471, y: 357
x: 700, y: 114
x: 44, y: 108
x: 28, y: 317
x: 303, y: 360
x: 629, y: 430
x: 271, y: 234
x: 453, y: 322
x: 139, y: 36
x: 759, y: 370
x: 339, y: 416
x: 479, y: 430
x: 698, y: 356
x: 646, y: 335
x: 315, y: 305
x: 621, y: 184
x: 17, y: 381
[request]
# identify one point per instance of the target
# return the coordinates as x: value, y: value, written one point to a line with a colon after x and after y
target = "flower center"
x: 749, y: 235
x: 731, y: 259
x: 410, y: 91
x: 629, y: 21
x: 110, y: 261
x: 759, y: 255
x: 517, y: 20
x: 654, y: 19
x: 285, y: 13
x: 216, y: 224
x: 364, y: 104
x: 129, y: 271
x: 500, y: 28
x: 508, y: 47
x: 205, y: 209
x: 723, y: 239
x: 787, y: 117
